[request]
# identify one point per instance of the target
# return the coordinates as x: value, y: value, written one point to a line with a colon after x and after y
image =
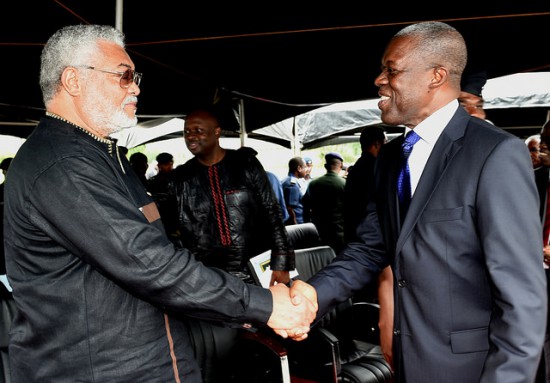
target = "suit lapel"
x: 446, y: 147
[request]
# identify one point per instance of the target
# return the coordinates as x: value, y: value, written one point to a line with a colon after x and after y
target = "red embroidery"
x: 219, y: 206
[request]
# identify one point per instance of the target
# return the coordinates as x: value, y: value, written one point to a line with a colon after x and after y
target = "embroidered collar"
x: 58, y: 117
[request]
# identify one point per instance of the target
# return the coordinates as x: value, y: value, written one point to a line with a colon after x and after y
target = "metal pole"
x: 118, y: 13
x: 243, y: 133
x: 296, y: 144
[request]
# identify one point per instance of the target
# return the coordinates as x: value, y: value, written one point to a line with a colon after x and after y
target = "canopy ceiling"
x: 280, y: 61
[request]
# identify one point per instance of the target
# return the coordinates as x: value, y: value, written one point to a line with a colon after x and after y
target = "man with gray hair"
x: 96, y: 281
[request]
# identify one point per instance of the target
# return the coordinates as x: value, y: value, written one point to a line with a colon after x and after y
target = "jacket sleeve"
x: 356, y: 266
x: 507, y: 201
x: 282, y: 256
x: 98, y: 220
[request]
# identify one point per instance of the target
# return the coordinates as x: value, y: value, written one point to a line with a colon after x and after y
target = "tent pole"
x: 242, y: 132
x: 118, y: 13
x: 296, y: 143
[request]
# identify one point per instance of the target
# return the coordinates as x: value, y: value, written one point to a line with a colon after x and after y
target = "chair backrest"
x: 352, y: 332
x: 212, y: 346
x: 312, y: 259
x: 308, y: 262
x: 303, y: 235
x: 230, y: 355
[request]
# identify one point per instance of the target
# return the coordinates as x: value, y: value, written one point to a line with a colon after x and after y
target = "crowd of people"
x: 96, y: 252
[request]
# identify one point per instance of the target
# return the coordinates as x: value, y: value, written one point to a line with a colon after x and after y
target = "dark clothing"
x: 167, y: 204
x: 357, y: 192
x: 358, y: 189
x: 324, y: 204
x: 278, y: 189
x: 228, y: 213
x: 94, y: 277
x: 542, y: 180
x: 2, y: 256
x: 470, y: 293
x: 293, y: 197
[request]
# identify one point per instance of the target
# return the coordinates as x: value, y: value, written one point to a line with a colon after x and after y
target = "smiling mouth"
x: 383, y: 101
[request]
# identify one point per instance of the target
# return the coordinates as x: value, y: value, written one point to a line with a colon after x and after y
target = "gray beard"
x: 111, y: 121
x: 119, y: 121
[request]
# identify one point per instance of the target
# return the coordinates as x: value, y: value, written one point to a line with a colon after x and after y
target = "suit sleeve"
x: 357, y: 265
x: 510, y: 231
x: 108, y: 231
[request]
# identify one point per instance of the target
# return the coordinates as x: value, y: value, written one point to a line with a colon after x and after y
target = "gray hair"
x: 71, y: 46
x: 439, y: 44
x: 534, y: 137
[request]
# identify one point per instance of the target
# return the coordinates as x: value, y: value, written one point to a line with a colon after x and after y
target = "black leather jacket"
x: 94, y: 276
x: 229, y: 213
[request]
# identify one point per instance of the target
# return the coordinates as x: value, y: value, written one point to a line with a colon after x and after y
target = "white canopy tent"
x: 150, y: 131
x: 521, y: 90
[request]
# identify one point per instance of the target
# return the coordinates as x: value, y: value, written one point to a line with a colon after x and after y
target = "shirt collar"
x: 430, y: 129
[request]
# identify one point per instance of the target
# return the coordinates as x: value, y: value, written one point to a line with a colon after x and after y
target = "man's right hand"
x: 300, y: 288
x: 291, y: 316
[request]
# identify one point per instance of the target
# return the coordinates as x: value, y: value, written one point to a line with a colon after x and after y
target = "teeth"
x: 384, y: 98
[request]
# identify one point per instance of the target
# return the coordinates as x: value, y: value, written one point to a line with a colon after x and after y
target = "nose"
x: 134, y: 89
x: 190, y: 136
x: 381, y: 79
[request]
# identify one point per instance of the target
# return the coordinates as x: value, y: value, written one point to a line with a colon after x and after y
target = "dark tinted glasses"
x: 126, y: 78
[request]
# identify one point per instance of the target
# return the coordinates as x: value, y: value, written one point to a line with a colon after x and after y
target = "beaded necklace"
x: 111, y: 144
x: 100, y: 139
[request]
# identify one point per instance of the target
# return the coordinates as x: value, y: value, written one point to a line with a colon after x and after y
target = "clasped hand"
x: 293, y: 309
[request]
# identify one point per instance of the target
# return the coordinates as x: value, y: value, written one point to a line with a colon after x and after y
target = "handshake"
x: 293, y: 309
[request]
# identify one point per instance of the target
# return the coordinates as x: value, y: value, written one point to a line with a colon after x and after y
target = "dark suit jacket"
x: 542, y: 175
x: 470, y: 294
x: 359, y: 183
x: 541, y: 180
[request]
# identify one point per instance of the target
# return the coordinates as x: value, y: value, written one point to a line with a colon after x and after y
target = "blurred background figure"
x: 159, y: 182
x: 123, y: 150
x: 324, y: 202
x: 159, y: 187
x: 293, y: 192
x: 140, y: 163
x: 4, y: 165
x: 359, y: 181
x: 533, y: 144
x: 471, y: 93
x: 278, y: 189
x: 304, y: 182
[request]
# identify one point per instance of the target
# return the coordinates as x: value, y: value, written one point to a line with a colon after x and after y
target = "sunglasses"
x: 127, y: 77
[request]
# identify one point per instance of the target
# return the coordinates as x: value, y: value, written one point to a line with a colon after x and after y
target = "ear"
x: 440, y: 75
x: 69, y: 81
x: 218, y: 132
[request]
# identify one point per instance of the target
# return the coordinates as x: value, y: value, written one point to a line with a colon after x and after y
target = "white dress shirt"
x: 429, y: 131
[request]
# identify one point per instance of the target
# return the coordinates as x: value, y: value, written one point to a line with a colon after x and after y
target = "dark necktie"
x: 404, y: 177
